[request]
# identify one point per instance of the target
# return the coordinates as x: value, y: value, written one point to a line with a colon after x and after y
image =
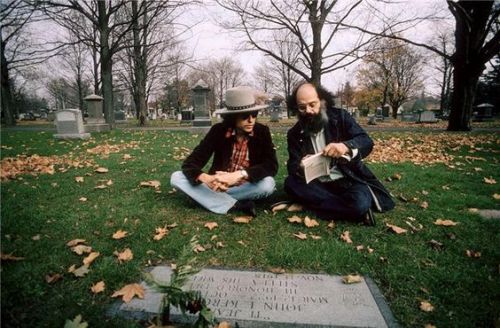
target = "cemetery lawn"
x: 454, y: 268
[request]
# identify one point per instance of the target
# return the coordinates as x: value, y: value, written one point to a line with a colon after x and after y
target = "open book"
x: 317, y: 165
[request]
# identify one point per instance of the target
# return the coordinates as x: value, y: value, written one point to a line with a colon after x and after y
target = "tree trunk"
x: 106, y: 65
x: 316, y: 54
x: 139, y: 67
x: 462, y: 99
x: 7, y: 106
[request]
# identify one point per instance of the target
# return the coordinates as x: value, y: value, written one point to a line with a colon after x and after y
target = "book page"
x: 316, y: 166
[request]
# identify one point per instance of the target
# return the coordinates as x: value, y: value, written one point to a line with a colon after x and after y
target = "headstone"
x: 483, y: 112
x: 200, y: 104
x: 386, y: 110
x: 95, y: 122
x: 372, y: 120
x: 409, y: 117
x: 120, y: 116
x: 427, y: 116
x: 263, y: 299
x: 69, y: 124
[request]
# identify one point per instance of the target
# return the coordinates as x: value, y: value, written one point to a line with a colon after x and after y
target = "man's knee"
x: 267, y: 186
x: 177, y: 178
x: 361, y: 206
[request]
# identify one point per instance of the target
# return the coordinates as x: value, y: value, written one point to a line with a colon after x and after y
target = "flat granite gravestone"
x: 264, y: 299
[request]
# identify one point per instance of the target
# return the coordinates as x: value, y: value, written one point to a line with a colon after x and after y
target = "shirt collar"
x: 230, y: 132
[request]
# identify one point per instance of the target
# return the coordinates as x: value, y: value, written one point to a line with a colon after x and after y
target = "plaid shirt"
x: 240, y: 159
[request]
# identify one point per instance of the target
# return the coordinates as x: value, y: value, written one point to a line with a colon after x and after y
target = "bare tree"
x: 443, y: 41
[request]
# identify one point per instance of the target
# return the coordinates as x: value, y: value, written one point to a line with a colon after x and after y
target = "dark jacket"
x: 261, y: 153
x: 341, y: 128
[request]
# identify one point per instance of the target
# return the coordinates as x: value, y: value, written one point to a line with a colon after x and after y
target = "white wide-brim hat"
x: 240, y: 100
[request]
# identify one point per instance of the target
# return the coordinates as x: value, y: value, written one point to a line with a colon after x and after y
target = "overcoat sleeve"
x: 267, y: 165
x: 194, y: 163
x: 295, y: 154
x: 354, y: 137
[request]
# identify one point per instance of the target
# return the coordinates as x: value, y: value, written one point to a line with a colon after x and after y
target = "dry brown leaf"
x: 351, y: 279
x: 90, y: 258
x: 126, y: 156
x: 75, y: 242
x: 277, y: 270
x: 446, y: 223
x: 295, y: 208
x: 472, y: 254
x: 109, y: 182
x: 98, y: 287
x: 160, y: 233
x: 295, y: 219
x: 52, y: 278
x: 473, y: 210
x: 101, y: 186
x: 81, y: 271
x: 397, y: 176
x: 82, y: 199
x: 496, y: 196
x: 241, y: 242
x: 310, y: 223
x: 102, y: 170
x: 300, y: 235
x: 346, y: 236
x: 220, y: 244
x: 428, y: 325
x: 80, y: 249
x: 124, y: 256
x: 369, y: 249
x: 424, y: 205
x: 171, y: 226
x: 129, y: 291
x: 279, y: 207
x: 489, y: 180
x: 224, y: 324
x: 198, y: 248
x: 79, y: 179
x: 426, y: 306
x: 315, y: 237
x: 153, y: 184
x: 396, y: 229
x: 331, y: 225
x: 120, y: 234
x: 211, y: 225
x: 36, y: 237
x: 360, y: 248
x: 242, y: 219
x: 72, y: 268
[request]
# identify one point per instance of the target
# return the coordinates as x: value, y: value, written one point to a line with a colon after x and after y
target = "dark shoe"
x: 245, y: 206
x: 369, y: 219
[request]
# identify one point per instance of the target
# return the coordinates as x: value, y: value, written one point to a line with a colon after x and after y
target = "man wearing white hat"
x: 244, y: 159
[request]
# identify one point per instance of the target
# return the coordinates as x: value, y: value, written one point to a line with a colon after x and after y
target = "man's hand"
x: 335, y: 149
x: 212, y: 182
x: 229, y: 178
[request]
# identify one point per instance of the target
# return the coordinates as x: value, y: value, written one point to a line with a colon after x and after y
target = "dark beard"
x: 314, y: 123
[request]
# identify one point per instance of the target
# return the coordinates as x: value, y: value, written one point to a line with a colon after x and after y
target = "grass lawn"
x: 41, y: 213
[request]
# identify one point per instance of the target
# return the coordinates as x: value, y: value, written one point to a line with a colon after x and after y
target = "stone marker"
x: 264, y: 299
x: 69, y: 125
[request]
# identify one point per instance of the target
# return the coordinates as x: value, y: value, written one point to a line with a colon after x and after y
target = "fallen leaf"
x: 424, y: 205
x: 397, y: 176
x: 242, y: 219
x: 277, y: 208
x: 346, y: 236
x: 396, y: 229
x: 445, y: 187
x: 120, y: 234
x: 102, y: 170
x: 36, y: 237
x: 82, y: 199
x: 90, y: 258
x: 160, y: 233
x: 489, y: 180
x: 80, y: 249
x: 219, y: 244
x: 331, y: 225
x: 224, y: 324
x: 98, y: 287
x: 126, y: 156
x: 436, y: 244
x: 277, y: 270
x: 102, y: 186
x: 426, y: 306
x: 315, y: 237
x: 198, y: 248
x: 369, y: 250
x: 109, y: 182
x: 351, y: 279
x: 129, y: 291
x: 153, y: 183
x: 360, y: 248
x: 496, y: 196
x: 171, y: 226
x: 81, y: 271
x: 300, y: 235
x: 295, y: 208
x: 54, y: 184
x: 211, y: 225
x: 428, y: 325
x: 446, y: 223
x: 52, y: 278
x: 241, y: 242
x: 295, y: 219
x: 76, y: 323
x: 473, y: 254
x: 79, y: 179
x: 310, y: 223
x: 425, y: 192
x: 124, y: 256
x: 75, y: 242
x: 473, y: 210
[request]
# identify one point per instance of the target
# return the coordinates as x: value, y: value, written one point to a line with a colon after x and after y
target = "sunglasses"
x: 245, y: 116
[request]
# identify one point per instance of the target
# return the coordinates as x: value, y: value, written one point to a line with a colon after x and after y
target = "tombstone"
x: 372, y: 120
x: 186, y: 116
x: 264, y: 299
x: 200, y: 104
x: 95, y: 122
x: 386, y: 109
x: 120, y: 116
x: 483, y: 112
x: 379, y: 114
x: 409, y: 117
x: 427, y: 116
x: 69, y: 124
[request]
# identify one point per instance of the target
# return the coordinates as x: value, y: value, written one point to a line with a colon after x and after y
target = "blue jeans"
x: 343, y: 199
x: 221, y: 202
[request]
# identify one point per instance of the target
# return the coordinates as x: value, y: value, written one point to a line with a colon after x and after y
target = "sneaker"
x: 369, y: 219
x: 245, y: 206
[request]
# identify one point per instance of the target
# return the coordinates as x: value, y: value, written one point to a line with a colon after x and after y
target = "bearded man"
x: 350, y: 191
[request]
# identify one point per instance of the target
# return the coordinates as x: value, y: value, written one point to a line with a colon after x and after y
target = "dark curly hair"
x: 323, y: 94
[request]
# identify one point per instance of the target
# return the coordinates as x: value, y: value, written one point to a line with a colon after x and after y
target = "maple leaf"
x: 76, y: 323
x: 279, y: 207
x: 101, y: 170
x: 424, y: 205
x: 90, y: 258
x: 219, y: 244
x: 80, y: 272
x: 472, y: 254
x: 277, y: 270
x: 397, y: 176
x: 198, y: 248
x: 496, y: 196
x: 160, y: 233
x: 79, y: 179
x: 489, y: 180
x: 129, y: 291
x: 346, y: 236
x: 82, y: 199
x: 331, y: 225
x: 295, y: 219
x: 360, y: 248
x: 75, y: 242
x: 396, y: 229
x: 242, y: 219
x: 52, y: 278
x: 80, y: 249
x: 426, y: 306
x: 124, y: 256
x: 351, y: 279
x: 315, y: 237
x: 211, y: 225
x: 310, y: 223
x: 126, y: 156
x: 295, y: 208
x: 153, y: 183
x: 120, y: 234
x: 300, y: 235
x: 446, y: 223
x: 98, y: 287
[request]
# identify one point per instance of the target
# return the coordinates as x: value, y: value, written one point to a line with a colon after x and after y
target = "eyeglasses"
x: 302, y: 108
x: 245, y: 116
